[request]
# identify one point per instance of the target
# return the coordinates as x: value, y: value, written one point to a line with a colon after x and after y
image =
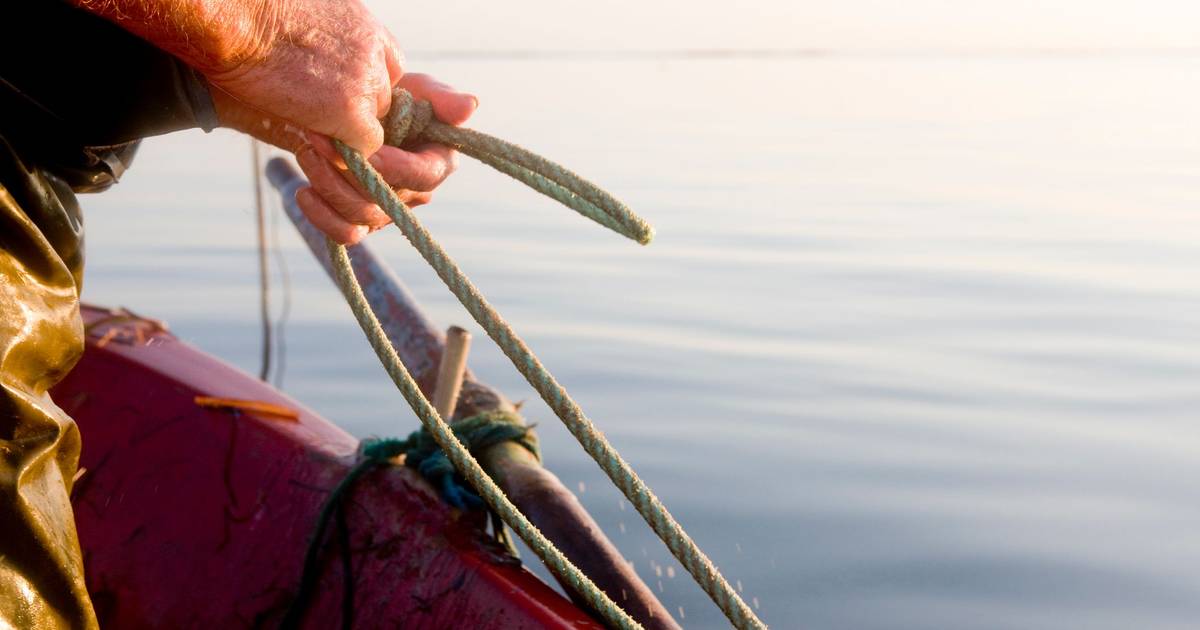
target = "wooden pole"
x: 450, y: 372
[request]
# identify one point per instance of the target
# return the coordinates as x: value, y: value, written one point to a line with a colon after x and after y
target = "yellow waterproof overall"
x: 76, y: 94
x: 41, y: 338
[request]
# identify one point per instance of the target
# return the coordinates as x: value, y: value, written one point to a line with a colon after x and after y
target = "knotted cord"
x: 421, y: 453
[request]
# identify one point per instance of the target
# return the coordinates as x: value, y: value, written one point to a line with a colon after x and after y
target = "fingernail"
x: 475, y: 100
x: 305, y: 155
x: 362, y: 230
x: 375, y: 161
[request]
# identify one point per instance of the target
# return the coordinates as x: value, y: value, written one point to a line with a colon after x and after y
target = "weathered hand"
x: 337, y: 204
x: 325, y: 66
x: 296, y: 73
x: 319, y: 70
x: 334, y: 201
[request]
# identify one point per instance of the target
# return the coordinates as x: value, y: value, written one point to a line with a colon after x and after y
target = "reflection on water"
x: 916, y: 346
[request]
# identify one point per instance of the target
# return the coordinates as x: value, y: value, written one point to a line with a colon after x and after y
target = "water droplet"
x: 658, y: 570
x: 739, y: 583
x: 621, y: 526
x: 681, y: 615
x: 755, y: 601
x: 583, y: 488
x: 671, y: 572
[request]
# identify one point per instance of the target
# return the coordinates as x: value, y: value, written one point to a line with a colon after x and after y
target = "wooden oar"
x: 537, y: 492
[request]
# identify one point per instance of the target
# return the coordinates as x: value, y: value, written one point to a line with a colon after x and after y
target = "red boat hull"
x: 194, y: 516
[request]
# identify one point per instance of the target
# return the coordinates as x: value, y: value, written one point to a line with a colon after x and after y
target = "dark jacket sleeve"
x: 77, y: 92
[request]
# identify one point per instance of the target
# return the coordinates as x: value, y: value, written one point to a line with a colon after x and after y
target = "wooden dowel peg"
x: 450, y: 371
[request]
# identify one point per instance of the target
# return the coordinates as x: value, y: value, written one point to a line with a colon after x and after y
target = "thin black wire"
x: 285, y: 309
x: 264, y: 270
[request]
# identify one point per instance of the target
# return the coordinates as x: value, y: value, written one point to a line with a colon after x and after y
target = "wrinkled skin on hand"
x: 328, y: 68
x: 296, y: 73
x: 334, y: 201
x: 325, y: 65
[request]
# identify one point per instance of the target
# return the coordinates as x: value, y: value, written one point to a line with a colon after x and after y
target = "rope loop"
x: 411, y: 121
x: 588, y: 199
x: 406, y: 120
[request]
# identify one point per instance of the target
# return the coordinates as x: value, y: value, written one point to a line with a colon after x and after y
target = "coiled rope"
x: 412, y: 121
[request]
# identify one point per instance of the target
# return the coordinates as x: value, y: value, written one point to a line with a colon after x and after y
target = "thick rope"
x: 414, y: 122
x: 458, y: 454
x: 410, y: 122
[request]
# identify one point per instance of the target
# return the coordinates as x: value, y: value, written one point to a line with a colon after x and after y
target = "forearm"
x: 213, y: 36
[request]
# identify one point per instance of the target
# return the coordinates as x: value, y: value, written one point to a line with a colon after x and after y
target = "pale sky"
x: 835, y: 24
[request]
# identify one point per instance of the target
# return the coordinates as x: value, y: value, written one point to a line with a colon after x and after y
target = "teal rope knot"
x: 477, y: 433
x: 380, y: 450
x: 423, y: 454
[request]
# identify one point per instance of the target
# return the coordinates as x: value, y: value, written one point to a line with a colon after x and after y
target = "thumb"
x: 360, y: 129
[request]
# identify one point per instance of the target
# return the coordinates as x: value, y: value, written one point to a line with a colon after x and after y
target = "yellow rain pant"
x: 41, y: 338
x: 72, y: 109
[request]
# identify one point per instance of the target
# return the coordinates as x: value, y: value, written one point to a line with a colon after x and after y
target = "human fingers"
x: 412, y: 198
x: 369, y: 59
x: 323, y: 145
x: 338, y: 193
x: 359, y: 125
x: 335, y: 226
x: 360, y: 128
x: 391, y: 62
x: 394, y: 57
x: 422, y: 169
x: 327, y: 220
x: 409, y: 173
x: 449, y: 105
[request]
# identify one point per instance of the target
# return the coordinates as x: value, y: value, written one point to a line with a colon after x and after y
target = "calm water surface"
x: 917, y: 345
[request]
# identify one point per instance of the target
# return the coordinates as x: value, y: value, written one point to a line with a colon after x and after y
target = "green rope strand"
x: 413, y: 121
x: 373, y: 453
x: 458, y: 454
